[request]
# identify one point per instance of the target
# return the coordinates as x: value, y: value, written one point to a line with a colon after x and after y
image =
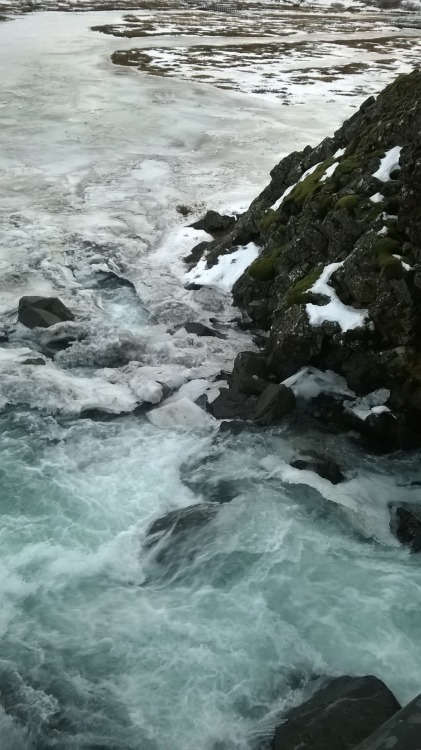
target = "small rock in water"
x: 327, y: 469
x: 338, y: 716
x: 405, y: 524
x: 180, y: 521
x: 214, y: 223
x: 42, y: 312
x: 199, y: 329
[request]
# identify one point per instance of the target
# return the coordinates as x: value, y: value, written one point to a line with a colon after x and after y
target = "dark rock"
x: 275, y: 402
x: 229, y: 405
x: 180, y: 521
x: 250, y: 374
x: 327, y: 469
x: 34, y: 361
x: 196, y: 254
x: 405, y: 524
x: 401, y: 732
x: 199, y: 329
x: 338, y: 716
x: 214, y: 223
x: 193, y: 287
x: 42, y: 312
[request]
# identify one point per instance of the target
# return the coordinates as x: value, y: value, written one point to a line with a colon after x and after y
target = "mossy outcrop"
x: 324, y: 206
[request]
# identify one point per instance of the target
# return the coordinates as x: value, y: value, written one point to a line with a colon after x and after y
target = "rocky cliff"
x: 338, y: 282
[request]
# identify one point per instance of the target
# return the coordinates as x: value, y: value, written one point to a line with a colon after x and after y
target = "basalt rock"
x: 214, y: 223
x: 42, y: 312
x: 325, y: 468
x: 337, y: 717
x: 199, y: 329
x: 323, y: 206
x: 405, y: 524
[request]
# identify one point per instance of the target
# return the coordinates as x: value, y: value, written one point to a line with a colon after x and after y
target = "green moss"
x: 265, y: 221
x: 264, y: 268
x: 348, y: 201
x: 298, y: 293
x: 350, y: 164
x: 323, y: 206
x: 309, y: 186
x: 386, y: 248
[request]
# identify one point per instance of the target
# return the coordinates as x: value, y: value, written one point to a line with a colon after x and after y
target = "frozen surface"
x: 334, y: 311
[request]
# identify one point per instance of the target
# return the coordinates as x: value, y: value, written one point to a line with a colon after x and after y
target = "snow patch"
x: 377, y: 198
x: 309, y: 382
x: 388, y: 164
x: 289, y: 189
x: 329, y: 171
x: 180, y: 415
x: 335, y: 311
x: 228, y: 269
x: 373, y: 403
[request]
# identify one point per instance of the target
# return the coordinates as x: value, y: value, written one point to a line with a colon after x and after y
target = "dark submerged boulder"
x: 325, y: 468
x: 337, y: 717
x: 180, y: 522
x: 273, y: 404
x: 42, y: 312
x: 200, y: 329
x: 405, y: 524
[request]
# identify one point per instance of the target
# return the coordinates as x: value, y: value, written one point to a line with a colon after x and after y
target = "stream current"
x: 102, y: 645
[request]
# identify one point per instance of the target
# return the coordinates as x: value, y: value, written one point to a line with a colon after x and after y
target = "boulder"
x: 325, y: 468
x: 199, y: 329
x: 401, y: 732
x: 339, y: 716
x: 178, y: 535
x: 250, y: 375
x: 275, y: 402
x: 229, y: 405
x: 214, y: 223
x: 42, y: 312
x: 180, y: 521
x: 405, y: 524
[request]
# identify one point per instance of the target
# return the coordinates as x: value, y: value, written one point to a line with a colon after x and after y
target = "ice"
x: 377, y: 198
x: 388, y: 164
x: 227, y: 270
x: 310, y: 382
x: 289, y: 189
x: 181, y: 415
x: 335, y: 311
x: 373, y: 403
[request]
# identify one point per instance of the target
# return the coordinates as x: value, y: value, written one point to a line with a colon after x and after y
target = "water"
x: 103, y: 646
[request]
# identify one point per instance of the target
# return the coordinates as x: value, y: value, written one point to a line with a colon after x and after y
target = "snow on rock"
x: 335, y: 311
x: 340, y: 152
x: 289, y: 189
x: 388, y: 164
x: 329, y: 171
x: 228, y: 269
x: 377, y: 198
x: 182, y: 415
x: 406, y: 266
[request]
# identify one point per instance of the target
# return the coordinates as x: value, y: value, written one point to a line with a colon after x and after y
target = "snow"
x: 377, y: 198
x: 329, y: 171
x: 388, y: 164
x: 382, y: 232
x: 227, y: 271
x: 339, y: 152
x: 181, y: 415
x: 406, y: 266
x: 289, y: 189
x: 335, y: 311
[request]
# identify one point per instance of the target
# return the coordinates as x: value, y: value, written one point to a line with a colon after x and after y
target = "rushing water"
x: 102, y: 644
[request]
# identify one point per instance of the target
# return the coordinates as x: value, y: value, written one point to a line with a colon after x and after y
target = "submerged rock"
x: 199, y: 329
x: 337, y: 717
x: 176, y: 537
x: 273, y: 404
x: 405, y: 524
x: 326, y: 468
x: 42, y: 312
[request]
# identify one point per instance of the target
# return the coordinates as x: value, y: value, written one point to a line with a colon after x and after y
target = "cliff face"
x: 338, y: 281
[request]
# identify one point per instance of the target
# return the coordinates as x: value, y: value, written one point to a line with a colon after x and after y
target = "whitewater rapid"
x: 102, y: 647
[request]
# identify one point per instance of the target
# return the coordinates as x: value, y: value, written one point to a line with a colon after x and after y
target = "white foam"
x: 182, y: 414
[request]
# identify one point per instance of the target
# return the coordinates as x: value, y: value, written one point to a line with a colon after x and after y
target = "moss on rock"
x: 348, y: 201
x: 264, y: 268
x: 298, y: 294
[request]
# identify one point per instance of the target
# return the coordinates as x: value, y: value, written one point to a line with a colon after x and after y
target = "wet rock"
x: 214, y: 223
x: 34, y: 361
x: 176, y: 537
x: 42, y: 312
x: 229, y: 405
x: 401, y: 732
x: 337, y: 717
x: 275, y: 402
x: 195, y: 254
x: 199, y: 329
x: 405, y: 524
x: 327, y: 469
x: 180, y: 521
x: 250, y: 375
